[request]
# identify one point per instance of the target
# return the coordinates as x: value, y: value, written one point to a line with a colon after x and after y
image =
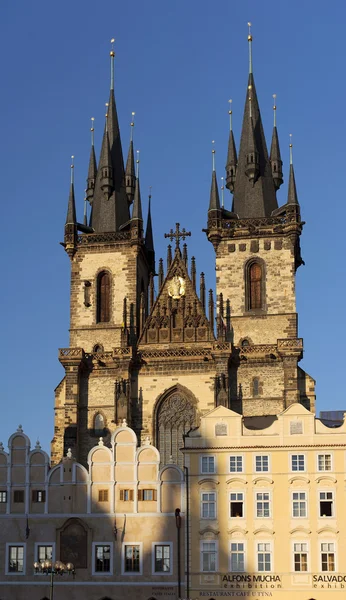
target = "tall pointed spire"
x: 92, y: 171
x: 232, y: 160
x: 214, y: 203
x: 130, y: 167
x: 254, y: 191
x: 292, y: 197
x: 149, y: 239
x: 275, y: 155
x: 110, y: 214
x: 105, y: 166
x: 71, y: 207
x: 137, y: 203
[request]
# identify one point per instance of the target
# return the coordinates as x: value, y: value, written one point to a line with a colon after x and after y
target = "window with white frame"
x: 237, y: 557
x: 209, y: 556
x: 44, y: 552
x: 236, y: 464
x: 299, y: 504
x: 300, y: 556
x: 208, y: 464
x: 208, y: 505
x: 15, y: 559
x: 102, y: 558
x: 328, y: 556
x: 162, y: 558
x: 298, y: 462
x: 326, y: 504
x: 3, y: 497
x: 264, y: 556
x: 236, y: 504
x: 263, y: 505
x: 262, y: 463
x: 132, y: 558
x: 324, y: 462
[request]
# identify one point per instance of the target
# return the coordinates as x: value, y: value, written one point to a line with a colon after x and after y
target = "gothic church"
x: 148, y: 343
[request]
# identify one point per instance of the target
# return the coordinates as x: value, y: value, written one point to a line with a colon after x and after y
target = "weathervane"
x: 177, y: 234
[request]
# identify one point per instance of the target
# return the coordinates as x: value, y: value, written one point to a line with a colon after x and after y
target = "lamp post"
x: 52, y: 569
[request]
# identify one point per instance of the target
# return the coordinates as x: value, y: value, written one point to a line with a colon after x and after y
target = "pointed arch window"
x: 99, y: 424
x: 255, y: 276
x: 103, y: 297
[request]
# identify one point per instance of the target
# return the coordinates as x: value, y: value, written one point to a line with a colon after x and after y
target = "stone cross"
x: 177, y: 234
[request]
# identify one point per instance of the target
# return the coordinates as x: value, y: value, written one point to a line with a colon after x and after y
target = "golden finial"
x: 249, y: 39
x: 132, y: 124
x: 213, y: 154
x: 137, y: 164
x: 92, y: 130
x: 222, y: 191
x: 230, y: 113
x: 72, y: 169
x: 112, y: 55
x: 291, y: 150
x: 274, y: 109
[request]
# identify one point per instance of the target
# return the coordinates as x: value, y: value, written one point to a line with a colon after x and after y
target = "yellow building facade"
x: 269, y: 507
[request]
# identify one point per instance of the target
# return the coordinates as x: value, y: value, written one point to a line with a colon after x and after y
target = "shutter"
x: 154, y: 494
x: 140, y: 494
x: 121, y: 494
x: 131, y: 495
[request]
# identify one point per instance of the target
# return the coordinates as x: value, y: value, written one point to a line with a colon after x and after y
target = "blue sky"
x: 177, y: 64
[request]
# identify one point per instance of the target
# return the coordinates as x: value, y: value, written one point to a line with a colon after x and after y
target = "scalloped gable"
x: 221, y: 411
x: 296, y: 409
x: 181, y: 320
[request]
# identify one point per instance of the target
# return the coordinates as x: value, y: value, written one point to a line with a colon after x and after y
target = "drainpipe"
x: 187, y: 533
x: 178, y: 526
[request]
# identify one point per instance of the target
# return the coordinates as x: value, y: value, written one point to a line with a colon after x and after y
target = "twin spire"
x: 253, y: 177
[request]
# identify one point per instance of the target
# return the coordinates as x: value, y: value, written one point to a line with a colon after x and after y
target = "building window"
x: 103, y: 297
x: 102, y: 558
x: 236, y: 464
x: 237, y: 557
x: 245, y: 343
x: 99, y: 424
x: 262, y: 464
x: 209, y: 554
x: 16, y: 559
x: 264, y: 559
x: 255, y: 386
x: 126, y: 495
x: 44, y: 553
x: 103, y: 495
x: 147, y: 495
x: 18, y: 496
x: 326, y: 504
x: 236, y: 504
x: 327, y: 556
x: 3, y: 497
x: 263, y: 504
x: 162, y: 558
x: 208, y: 464
x: 299, y: 504
x: 38, y: 495
x: 132, y: 558
x: 255, y: 286
x: 298, y: 462
x: 208, y: 505
x: 324, y: 462
x: 300, y: 552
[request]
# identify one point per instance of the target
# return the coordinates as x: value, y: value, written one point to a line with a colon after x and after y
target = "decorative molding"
x: 236, y: 480
x: 266, y: 479
x: 241, y: 530
x: 299, y: 478
x: 300, y: 530
x: 209, y: 530
x: 264, y: 530
x: 328, y: 529
x: 208, y: 480
x: 326, y: 478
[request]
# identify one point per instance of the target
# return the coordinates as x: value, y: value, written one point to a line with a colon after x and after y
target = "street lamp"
x: 57, y: 568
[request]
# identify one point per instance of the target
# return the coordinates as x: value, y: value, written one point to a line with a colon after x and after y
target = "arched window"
x: 103, y: 297
x: 99, y: 424
x: 255, y: 386
x: 245, y: 343
x: 255, y: 286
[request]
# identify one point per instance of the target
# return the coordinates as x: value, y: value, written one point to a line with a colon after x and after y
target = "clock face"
x: 176, y: 287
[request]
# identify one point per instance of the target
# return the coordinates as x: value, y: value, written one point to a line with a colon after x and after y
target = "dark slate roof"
x: 149, y: 239
x: 130, y: 164
x: 275, y: 147
x: 258, y: 200
x: 292, y: 197
x: 137, y: 202
x: 71, y: 208
x: 232, y: 152
x: 214, y: 203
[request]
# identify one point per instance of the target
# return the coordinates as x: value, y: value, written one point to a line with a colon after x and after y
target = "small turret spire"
x: 231, y: 166
x: 214, y: 203
x: 130, y: 166
x: 92, y: 171
x: 249, y: 39
x: 71, y: 208
x: 292, y: 190
x: 149, y: 240
x: 137, y: 203
x: 275, y: 155
x: 85, y: 216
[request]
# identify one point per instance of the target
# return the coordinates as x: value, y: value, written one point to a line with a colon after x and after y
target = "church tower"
x: 257, y: 254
